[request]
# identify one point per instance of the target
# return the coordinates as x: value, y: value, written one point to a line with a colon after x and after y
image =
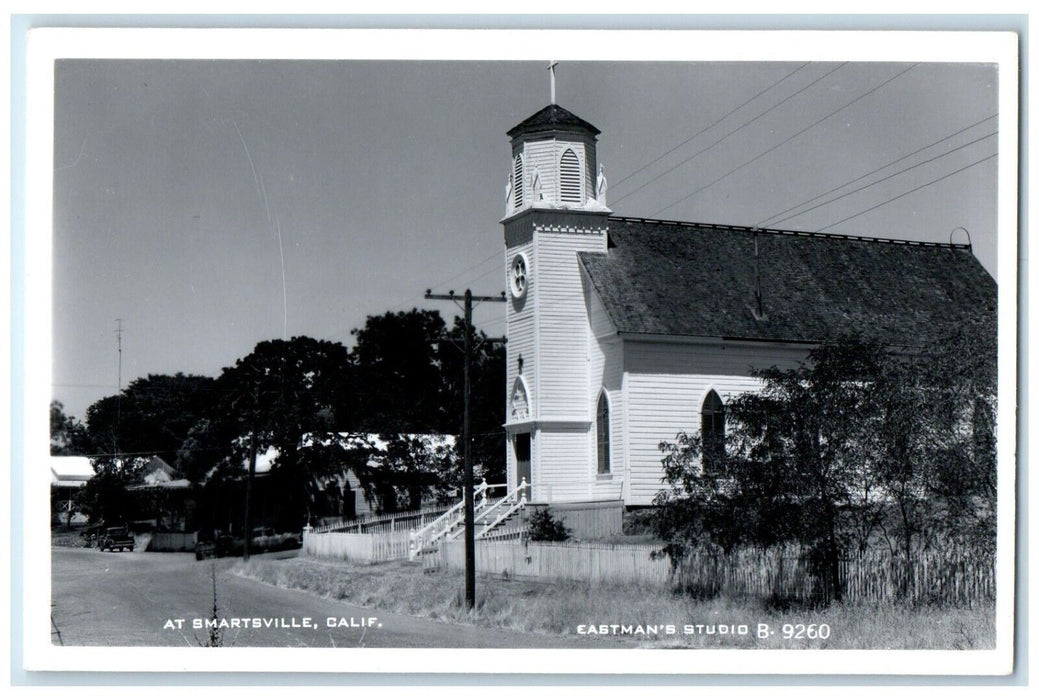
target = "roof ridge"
x: 799, y: 234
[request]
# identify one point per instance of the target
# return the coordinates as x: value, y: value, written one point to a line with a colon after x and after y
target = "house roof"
x: 156, y: 470
x: 173, y: 485
x: 685, y: 279
x: 549, y: 118
x: 70, y: 471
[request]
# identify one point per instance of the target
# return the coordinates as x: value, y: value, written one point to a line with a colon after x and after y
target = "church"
x: 625, y: 331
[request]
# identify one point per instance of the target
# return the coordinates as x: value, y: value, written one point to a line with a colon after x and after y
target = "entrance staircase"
x: 490, y: 515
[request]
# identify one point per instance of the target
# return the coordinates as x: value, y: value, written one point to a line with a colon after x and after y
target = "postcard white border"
x: 48, y: 44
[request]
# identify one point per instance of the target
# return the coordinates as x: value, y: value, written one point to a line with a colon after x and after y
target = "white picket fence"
x: 543, y: 561
x: 371, y: 547
x: 366, y: 548
x: 384, y: 522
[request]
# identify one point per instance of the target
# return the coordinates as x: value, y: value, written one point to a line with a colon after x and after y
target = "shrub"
x: 639, y: 522
x: 544, y: 527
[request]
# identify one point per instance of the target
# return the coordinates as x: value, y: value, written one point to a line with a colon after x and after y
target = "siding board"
x: 563, y: 324
x: 666, y: 384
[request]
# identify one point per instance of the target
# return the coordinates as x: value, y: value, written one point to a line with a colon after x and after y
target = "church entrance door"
x: 523, y: 460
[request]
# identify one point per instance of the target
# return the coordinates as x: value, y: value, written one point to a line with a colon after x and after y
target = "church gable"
x: 668, y: 278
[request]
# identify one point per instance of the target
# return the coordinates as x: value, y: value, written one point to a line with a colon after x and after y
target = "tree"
x: 106, y: 498
x: 939, y: 458
x: 487, y: 399
x: 153, y: 415
x: 408, y: 376
x: 398, y: 373
x: 855, y: 440
x: 795, y: 459
x: 904, y: 463
x: 68, y: 435
x: 407, y: 469
x: 283, y: 392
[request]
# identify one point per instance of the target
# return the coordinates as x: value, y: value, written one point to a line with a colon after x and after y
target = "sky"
x: 211, y: 204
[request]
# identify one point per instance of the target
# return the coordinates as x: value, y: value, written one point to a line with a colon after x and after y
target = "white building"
x: 68, y: 477
x: 623, y: 332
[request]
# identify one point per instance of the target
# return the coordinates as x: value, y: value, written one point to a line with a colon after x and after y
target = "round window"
x: 518, y: 276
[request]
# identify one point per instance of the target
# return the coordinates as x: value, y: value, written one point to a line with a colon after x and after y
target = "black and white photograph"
x: 526, y: 350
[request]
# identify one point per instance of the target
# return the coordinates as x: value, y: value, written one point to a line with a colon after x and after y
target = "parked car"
x: 113, y: 538
x: 205, y: 549
x: 218, y: 544
x: 265, y: 539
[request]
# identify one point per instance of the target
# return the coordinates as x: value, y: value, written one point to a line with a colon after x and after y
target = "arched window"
x: 602, y: 434
x: 517, y: 181
x: 569, y: 177
x: 712, y: 430
x: 519, y: 402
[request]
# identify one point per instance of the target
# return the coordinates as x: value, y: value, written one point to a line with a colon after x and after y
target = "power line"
x: 786, y: 140
x: 709, y: 127
x: 886, y: 177
x: 734, y: 131
x: 499, y: 320
x: 495, y: 254
x: 410, y: 298
x: 871, y: 172
x: 915, y: 189
x: 486, y: 274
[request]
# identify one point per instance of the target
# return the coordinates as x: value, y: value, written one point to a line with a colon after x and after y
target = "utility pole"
x: 119, y: 394
x: 255, y: 400
x: 467, y: 486
x: 119, y: 341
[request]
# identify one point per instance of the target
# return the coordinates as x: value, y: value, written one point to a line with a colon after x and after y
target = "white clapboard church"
x: 624, y: 331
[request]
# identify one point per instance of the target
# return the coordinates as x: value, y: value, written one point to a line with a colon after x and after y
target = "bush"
x: 544, y: 527
x: 639, y: 522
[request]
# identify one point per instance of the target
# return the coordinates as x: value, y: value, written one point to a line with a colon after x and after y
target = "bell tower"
x: 553, y: 164
x: 554, y: 209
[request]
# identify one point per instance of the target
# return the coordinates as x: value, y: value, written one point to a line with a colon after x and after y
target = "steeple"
x: 553, y: 164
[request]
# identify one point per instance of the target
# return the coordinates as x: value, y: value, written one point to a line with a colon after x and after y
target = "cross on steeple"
x: 552, y: 79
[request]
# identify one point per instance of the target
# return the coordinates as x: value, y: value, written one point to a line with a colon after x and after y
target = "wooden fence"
x: 588, y: 520
x: 947, y: 577
x: 385, y: 522
x: 366, y: 548
x: 590, y: 562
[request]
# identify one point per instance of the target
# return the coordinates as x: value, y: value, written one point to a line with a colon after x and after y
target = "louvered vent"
x: 569, y: 178
x: 517, y: 181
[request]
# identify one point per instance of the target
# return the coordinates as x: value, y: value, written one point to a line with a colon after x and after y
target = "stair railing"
x: 513, y: 501
x: 423, y: 537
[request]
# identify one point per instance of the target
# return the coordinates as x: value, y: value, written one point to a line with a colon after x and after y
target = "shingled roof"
x: 683, y: 279
x: 551, y: 117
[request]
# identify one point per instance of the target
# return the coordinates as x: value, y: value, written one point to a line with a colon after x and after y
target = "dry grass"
x: 559, y: 608
x: 66, y: 539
